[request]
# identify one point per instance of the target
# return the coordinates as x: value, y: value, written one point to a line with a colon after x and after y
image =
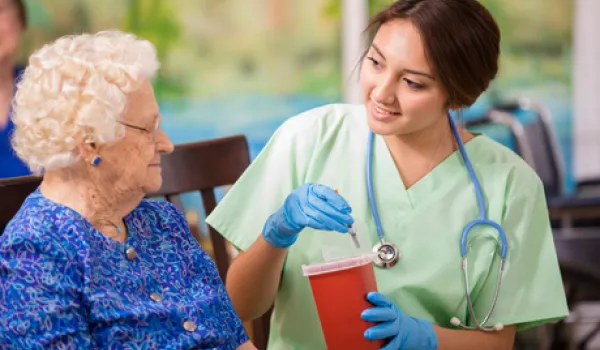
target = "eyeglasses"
x: 152, y: 132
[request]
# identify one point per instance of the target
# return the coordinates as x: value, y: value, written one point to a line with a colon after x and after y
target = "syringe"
x: 352, y: 231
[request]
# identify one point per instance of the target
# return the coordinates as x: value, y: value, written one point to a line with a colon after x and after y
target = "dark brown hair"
x: 21, y: 12
x: 461, y: 39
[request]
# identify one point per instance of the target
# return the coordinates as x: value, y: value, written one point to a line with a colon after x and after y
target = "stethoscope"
x: 388, y: 253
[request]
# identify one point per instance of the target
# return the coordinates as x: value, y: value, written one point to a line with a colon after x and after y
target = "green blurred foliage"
x: 333, y: 7
x: 155, y: 20
x: 536, y: 41
x: 219, y: 47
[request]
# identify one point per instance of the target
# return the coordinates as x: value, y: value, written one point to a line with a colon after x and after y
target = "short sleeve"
x: 277, y: 170
x: 40, y: 292
x: 531, y: 291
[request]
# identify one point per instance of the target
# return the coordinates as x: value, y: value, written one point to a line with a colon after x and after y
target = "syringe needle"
x: 352, y: 233
x: 351, y: 230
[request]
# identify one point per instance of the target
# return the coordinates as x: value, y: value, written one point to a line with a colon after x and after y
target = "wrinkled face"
x: 10, y: 30
x: 132, y: 164
x: 401, y: 92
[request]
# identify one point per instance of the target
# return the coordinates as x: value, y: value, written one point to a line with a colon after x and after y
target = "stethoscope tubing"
x: 481, y: 220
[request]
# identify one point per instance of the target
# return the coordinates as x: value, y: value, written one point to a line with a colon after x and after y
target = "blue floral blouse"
x: 63, y: 284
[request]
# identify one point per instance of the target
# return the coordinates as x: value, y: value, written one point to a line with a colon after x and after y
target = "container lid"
x: 338, y: 265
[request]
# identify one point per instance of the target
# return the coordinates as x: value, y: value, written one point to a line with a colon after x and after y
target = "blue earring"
x: 96, y: 160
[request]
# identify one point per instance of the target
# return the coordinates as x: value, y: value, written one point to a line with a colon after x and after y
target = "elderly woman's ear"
x: 89, y: 151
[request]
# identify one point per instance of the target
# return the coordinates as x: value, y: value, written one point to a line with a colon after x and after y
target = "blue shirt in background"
x: 10, y: 164
x: 63, y: 284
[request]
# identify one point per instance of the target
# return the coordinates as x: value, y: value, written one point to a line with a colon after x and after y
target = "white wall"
x: 586, y: 89
x: 355, y: 16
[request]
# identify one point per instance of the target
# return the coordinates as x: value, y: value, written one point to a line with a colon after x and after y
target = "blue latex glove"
x: 401, y: 331
x: 309, y: 205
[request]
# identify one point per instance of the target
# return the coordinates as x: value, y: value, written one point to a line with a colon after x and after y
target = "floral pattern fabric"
x: 65, y: 285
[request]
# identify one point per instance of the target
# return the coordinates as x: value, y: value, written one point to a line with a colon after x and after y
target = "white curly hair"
x: 74, y: 90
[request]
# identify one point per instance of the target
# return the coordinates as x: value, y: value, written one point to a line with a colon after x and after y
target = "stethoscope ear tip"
x: 498, y: 327
x: 455, y: 321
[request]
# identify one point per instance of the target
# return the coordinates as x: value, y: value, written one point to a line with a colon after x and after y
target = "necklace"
x: 432, y: 165
x: 117, y: 227
x: 454, y: 149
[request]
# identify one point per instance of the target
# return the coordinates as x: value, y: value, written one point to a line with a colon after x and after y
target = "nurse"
x: 427, y: 57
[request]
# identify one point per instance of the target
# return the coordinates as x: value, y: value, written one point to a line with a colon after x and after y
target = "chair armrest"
x: 575, y: 207
x: 574, y: 202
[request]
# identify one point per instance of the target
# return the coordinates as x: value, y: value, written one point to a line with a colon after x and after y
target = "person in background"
x: 427, y: 58
x: 13, y: 22
x: 88, y: 262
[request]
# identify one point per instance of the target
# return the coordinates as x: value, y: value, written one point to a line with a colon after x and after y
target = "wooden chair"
x: 202, y: 167
x: 13, y: 192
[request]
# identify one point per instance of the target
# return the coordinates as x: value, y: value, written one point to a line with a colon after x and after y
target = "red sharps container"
x: 340, y: 290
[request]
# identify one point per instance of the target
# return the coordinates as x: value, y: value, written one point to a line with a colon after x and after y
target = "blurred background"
x: 245, y: 66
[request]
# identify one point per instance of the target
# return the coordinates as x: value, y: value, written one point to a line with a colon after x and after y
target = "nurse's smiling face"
x: 401, y: 92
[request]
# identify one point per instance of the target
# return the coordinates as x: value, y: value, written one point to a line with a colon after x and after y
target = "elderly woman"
x: 87, y: 262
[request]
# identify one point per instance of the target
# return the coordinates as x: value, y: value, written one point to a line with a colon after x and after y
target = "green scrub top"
x: 328, y: 145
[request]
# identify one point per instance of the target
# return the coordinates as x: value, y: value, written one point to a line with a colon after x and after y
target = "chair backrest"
x: 516, y: 129
x: 13, y: 192
x: 541, y: 140
x: 202, y: 167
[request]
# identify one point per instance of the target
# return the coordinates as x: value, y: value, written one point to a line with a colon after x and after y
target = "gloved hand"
x: 400, y: 330
x: 309, y: 205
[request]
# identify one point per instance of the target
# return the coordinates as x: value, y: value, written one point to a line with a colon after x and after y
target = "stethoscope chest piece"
x: 387, y: 254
